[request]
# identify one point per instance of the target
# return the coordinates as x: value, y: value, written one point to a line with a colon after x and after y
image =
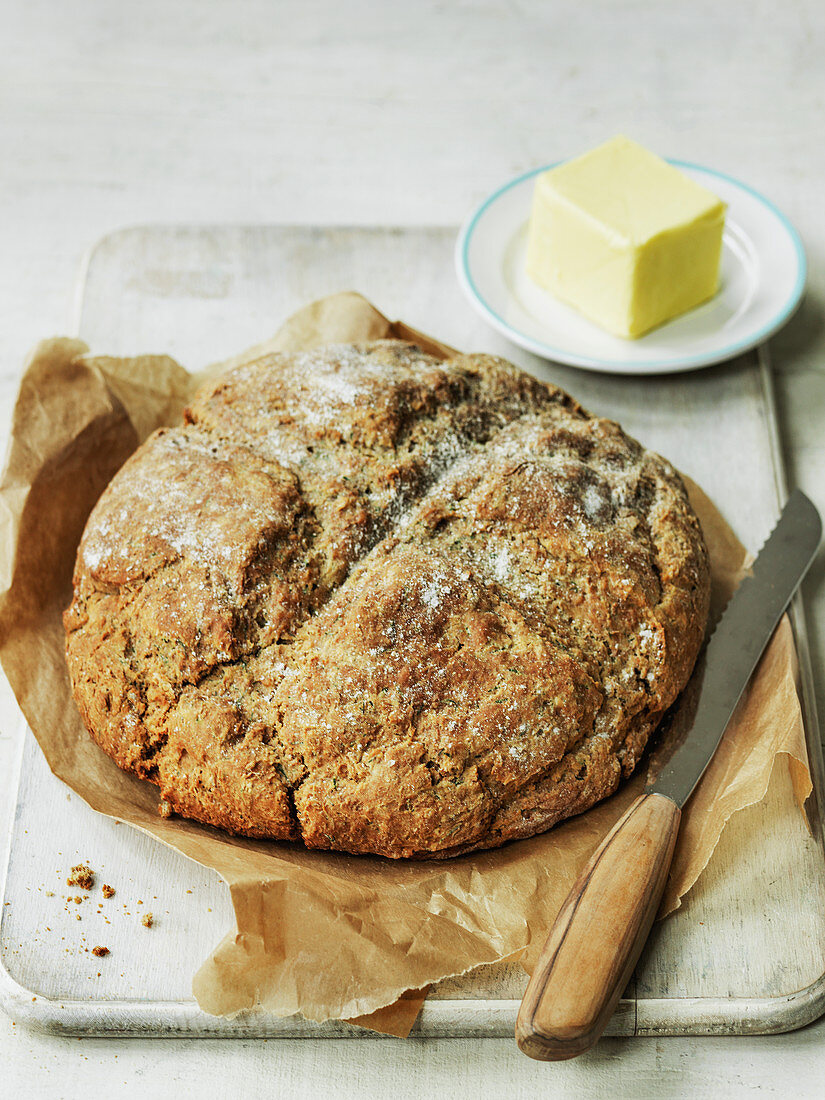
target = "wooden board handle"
x: 599, y: 934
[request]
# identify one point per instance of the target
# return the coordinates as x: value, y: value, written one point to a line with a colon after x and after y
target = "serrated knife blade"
x: 739, y: 640
x: 602, y: 926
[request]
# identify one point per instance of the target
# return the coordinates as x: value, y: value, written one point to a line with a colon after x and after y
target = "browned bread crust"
x: 381, y: 603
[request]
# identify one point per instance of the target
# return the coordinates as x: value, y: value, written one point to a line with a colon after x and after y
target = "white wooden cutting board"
x: 745, y: 953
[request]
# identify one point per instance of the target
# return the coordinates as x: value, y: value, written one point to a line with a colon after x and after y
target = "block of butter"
x: 625, y: 237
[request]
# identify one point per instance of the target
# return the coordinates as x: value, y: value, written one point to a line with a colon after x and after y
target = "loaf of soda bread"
x: 369, y: 600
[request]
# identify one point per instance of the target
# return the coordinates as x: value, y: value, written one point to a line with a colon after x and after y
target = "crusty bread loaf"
x: 376, y: 602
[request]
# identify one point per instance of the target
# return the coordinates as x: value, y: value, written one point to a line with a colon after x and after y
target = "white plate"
x: 762, y: 278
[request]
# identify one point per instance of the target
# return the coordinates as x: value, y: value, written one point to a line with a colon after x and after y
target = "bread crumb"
x: 147, y: 920
x: 108, y: 891
x: 165, y: 808
x: 81, y: 876
x: 100, y: 952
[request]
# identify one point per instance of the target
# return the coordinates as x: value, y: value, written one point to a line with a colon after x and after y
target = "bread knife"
x: 603, y: 924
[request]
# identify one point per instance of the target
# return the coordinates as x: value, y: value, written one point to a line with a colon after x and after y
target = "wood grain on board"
x: 747, y: 942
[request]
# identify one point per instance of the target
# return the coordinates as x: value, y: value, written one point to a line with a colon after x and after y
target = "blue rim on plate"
x: 548, y: 351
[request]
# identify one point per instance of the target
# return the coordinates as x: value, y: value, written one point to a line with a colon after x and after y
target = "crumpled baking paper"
x: 328, y: 935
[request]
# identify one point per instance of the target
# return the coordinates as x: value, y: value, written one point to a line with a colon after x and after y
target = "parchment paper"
x: 322, y: 934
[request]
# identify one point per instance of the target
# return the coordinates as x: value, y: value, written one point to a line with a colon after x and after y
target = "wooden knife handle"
x: 599, y: 934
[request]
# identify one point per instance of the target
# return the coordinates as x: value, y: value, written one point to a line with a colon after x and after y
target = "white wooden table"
x: 393, y: 113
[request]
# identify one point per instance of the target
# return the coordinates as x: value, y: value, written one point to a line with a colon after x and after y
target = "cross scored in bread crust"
x: 378, y: 602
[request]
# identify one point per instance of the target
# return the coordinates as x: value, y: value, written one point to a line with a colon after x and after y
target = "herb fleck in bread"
x: 376, y: 602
